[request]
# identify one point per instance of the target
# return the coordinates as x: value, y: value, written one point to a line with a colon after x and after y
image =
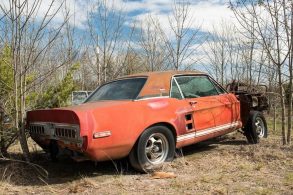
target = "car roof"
x: 164, y: 74
x: 159, y: 83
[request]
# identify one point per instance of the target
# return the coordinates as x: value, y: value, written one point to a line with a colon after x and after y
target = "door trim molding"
x: 207, y: 131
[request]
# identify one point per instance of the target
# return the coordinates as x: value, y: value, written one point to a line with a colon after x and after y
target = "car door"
x: 229, y: 112
x: 211, y: 108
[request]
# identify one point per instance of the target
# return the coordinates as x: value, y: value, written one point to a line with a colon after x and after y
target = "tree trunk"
x: 289, y: 111
x: 23, y: 143
x: 1, y: 130
x: 290, y: 83
x: 282, y: 101
x: 275, y: 121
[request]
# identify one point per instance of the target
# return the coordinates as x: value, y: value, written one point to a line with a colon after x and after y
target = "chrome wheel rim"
x: 260, y: 127
x: 156, y: 148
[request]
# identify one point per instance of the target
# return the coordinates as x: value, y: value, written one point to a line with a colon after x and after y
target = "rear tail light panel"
x: 68, y: 133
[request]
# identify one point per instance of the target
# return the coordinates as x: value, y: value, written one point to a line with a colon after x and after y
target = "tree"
x: 58, y: 95
x: 6, y: 103
x: 30, y: 38
x: 153, y: 52
x: 106, y: 28
x: 184, y: 39
x: 267, y: 22
x: 220, y: 51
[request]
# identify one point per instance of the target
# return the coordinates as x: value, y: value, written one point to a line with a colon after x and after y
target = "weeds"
x: 223, y: 166
x: 289, y: 178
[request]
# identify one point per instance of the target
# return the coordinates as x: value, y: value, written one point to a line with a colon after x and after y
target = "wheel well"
x: 169, y: 126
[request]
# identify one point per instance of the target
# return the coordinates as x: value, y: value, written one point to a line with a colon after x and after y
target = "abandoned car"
x: 146, y: 117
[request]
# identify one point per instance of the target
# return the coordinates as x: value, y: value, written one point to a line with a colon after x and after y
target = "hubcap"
x: 260, y: 127
x: 156, y: 148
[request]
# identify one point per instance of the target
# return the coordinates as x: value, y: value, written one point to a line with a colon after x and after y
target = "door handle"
x: 192, y: 103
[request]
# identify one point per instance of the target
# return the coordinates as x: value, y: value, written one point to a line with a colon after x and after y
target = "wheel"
x: 155, y: 146
x: 256, y: 127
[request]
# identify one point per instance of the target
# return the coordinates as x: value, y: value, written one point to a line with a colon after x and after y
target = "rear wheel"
x: 155, y: 146
x: 256, y: 127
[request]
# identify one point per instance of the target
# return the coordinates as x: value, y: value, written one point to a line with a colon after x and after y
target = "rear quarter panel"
x: 127, y: 121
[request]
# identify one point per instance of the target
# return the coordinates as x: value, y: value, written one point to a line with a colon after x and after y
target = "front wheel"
x: 155, y: 146
x: 256, y: 127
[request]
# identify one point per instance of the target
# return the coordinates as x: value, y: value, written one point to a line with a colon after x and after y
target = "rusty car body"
x: 144, y: 116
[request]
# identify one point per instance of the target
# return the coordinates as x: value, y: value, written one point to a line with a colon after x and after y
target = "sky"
x: 207, y: 16
x: 206, y: 13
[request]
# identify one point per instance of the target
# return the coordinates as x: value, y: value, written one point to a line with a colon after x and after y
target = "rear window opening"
x: 125, y: 89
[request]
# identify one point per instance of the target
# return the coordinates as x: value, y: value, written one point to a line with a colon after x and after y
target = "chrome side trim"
x: 181, y: 93
x: 206, y: 131
x: 149, y: 98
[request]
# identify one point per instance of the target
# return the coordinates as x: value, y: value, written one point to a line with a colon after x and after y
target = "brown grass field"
x: 227, y: 165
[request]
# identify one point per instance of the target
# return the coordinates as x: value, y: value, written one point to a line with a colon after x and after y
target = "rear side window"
x: 196, y: 86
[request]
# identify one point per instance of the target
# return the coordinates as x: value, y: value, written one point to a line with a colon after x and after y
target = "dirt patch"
x: 223, y: 166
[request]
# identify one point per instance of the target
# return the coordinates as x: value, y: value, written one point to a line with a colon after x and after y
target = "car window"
x: 125, y: 89
x: 196, y: 86
x: 175, y: 92
x: 78, y: 97
x: 218, y: 87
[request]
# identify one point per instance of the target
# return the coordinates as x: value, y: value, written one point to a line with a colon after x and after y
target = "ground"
x: 227, y: 165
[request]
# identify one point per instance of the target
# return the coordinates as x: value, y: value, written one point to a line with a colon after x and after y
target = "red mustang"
x: 146, y: 117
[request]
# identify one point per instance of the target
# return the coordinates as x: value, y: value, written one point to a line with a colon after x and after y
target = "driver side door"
x: 210, y: 104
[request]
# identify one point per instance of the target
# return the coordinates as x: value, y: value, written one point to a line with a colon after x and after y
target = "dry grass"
x: 223, y: 166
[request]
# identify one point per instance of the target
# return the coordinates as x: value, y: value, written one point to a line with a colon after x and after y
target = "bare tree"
x: 153, y: 52
x: 30, y: 37
x: 105, y: 23
x: 220, y: 51
x: 288, y: 22
x: 266, y: 21
x: 184, y: 39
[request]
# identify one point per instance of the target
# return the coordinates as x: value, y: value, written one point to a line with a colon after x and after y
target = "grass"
x: 289, y: 178
x: 222, y: 166
x: 270, y: 125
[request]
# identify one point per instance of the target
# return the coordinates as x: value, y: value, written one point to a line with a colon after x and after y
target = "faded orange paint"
x: 127, y: 119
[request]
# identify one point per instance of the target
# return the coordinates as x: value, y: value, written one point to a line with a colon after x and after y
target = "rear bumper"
x: 67, y: 136
x: 91, y: 153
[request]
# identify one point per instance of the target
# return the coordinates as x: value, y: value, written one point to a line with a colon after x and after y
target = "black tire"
x: 256, y: 127
x: 155, y: 146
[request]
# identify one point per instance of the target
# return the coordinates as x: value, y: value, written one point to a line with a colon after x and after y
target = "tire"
x: 256, y: 127
x: 155, y: 146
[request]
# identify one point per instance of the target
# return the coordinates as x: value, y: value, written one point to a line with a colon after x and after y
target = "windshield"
x: 126, y: 89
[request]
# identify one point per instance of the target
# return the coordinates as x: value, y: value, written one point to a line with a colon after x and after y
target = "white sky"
x: 206, y: 13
